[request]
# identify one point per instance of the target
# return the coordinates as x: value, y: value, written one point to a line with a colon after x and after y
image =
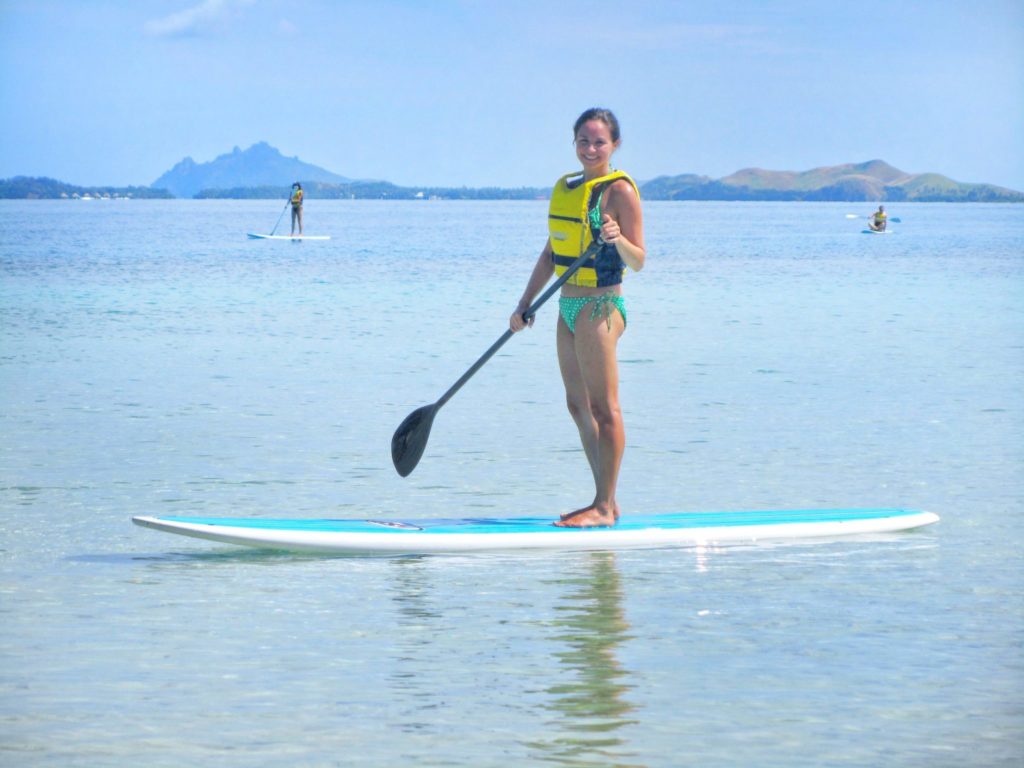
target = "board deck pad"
x: 478, y: 534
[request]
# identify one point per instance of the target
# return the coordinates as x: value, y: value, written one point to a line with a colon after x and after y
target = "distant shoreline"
x: 199, y: 200
x: 261, y: 172
x: 745, y: 186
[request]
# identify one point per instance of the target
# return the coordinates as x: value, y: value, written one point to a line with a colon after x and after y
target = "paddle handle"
x: 530, y: 312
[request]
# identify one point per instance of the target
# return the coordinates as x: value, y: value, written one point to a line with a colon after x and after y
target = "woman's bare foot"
x: 567, y: 515
x: 590, y: 517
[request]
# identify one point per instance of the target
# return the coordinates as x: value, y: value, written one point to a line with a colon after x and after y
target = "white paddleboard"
x: 397, y: 537
x: 876, y: 231
x: 257, y: 236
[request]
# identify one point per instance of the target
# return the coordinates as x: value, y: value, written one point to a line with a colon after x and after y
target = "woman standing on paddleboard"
x: 296, y: 200
x: 595, y: 210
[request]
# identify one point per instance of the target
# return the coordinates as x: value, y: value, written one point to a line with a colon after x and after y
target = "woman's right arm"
x: 542, y: 272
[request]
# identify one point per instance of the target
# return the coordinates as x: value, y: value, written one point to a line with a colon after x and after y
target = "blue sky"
x: 478, y: 93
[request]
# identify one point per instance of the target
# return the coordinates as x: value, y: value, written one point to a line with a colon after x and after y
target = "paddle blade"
x: 410, y: 439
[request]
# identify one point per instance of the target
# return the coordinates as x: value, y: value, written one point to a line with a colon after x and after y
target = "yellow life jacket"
x: 880, y: 217
x: 573, y: 224
x: 296, y: 198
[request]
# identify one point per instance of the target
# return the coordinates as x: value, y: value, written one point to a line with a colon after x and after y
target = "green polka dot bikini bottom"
x: 570, y: 306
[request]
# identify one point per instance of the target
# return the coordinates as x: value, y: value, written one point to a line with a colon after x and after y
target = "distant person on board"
x: 296, y: 200
x: 878, y: 219
x: 595, y: 210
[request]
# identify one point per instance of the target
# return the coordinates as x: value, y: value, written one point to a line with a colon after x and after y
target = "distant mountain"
x: 875, y: 180
x: 260, y: 165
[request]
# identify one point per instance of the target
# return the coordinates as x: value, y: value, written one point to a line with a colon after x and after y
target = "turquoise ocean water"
x: 155, y: 361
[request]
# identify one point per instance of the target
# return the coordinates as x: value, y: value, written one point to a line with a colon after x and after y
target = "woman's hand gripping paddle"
x: 410, y: 439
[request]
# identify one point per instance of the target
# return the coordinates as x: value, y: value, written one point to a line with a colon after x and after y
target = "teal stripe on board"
x: 543, y: 524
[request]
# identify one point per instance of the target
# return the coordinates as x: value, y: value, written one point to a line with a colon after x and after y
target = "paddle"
x: 894, y: 220
x: 286, y: 203
x: 410, y: 439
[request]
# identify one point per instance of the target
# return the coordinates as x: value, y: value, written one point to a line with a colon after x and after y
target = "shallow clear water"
x: 153, y: 360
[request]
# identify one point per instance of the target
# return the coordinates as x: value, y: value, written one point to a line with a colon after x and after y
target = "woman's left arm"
x: 623, y: 224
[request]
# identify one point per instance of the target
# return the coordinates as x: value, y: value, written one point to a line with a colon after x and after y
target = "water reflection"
x: 590, y: 695
x: 448, y: 654
x: 414, y: 659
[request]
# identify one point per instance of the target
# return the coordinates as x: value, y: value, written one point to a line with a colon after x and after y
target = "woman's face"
x: 594, y: 145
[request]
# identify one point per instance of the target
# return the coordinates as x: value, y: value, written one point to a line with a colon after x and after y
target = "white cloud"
x: 194, y: 20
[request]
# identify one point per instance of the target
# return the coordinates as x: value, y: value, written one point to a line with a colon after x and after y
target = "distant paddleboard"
x: 256, y: 236
x: 415, y: 537
x: 876, y: 231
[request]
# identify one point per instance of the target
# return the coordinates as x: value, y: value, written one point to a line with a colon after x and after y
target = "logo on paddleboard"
x: 394, y: 524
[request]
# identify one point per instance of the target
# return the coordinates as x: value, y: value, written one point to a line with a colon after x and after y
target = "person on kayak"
x: 878, y: 219
x: 596, y: 211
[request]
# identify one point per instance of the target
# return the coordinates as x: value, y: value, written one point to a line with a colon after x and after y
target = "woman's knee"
x: 580, y: 410
x: 606, y: 413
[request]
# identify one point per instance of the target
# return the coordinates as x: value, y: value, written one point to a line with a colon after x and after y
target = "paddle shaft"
x: 551, y: 290
x: 280, y: 217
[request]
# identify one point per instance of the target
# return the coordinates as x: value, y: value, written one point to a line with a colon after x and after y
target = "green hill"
x: 42, y: 188
x: 874, y: 180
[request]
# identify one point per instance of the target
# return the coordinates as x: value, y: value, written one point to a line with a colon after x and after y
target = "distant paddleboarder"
x: 878, y: 219
x: 296, y: 201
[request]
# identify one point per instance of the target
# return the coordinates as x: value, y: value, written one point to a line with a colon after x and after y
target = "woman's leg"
x: 590, y: 372
x: 576, y: 398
